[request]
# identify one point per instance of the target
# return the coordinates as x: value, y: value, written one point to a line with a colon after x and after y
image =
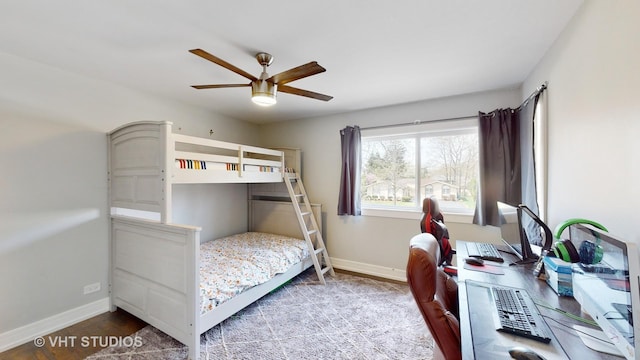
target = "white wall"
x: 594, y: 108
x: 373, y: 244
x: 53, y: 184
x: 219, y: 209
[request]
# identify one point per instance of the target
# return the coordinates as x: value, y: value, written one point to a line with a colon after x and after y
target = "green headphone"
x: 588, y: 253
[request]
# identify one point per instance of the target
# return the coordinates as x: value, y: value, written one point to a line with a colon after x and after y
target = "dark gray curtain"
x: 500, y: 170
x: 349, y: 200
x: 529, y: 190
x: 507, y: 165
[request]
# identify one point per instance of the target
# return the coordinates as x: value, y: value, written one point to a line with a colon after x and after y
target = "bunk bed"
x: 158, y: 268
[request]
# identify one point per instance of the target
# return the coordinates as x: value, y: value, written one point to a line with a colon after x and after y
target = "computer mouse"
x: 523, y: 353
x: 474, y: 261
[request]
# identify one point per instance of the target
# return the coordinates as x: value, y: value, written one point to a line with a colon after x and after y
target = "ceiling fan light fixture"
x: 264, y: 88
x: 263, y: 92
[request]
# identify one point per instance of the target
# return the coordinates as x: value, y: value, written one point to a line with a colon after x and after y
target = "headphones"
x: 588, y: 252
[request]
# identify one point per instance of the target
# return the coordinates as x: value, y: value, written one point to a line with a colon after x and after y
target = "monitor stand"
x: 596, y: 340
x: 530, y: 260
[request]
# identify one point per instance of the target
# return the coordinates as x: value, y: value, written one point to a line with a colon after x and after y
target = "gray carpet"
x: 350, y: 318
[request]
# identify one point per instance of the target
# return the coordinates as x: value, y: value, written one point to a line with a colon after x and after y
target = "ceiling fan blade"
x: 307, y: 93
x: 297, y: 73
x: 200, y: 87
x: 205, y: 55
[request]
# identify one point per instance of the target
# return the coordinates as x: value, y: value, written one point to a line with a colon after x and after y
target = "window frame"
x: 417, y: 130
x: 540, y: 148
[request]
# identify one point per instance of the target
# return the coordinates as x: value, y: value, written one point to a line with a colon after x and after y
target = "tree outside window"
x: 399, y: 171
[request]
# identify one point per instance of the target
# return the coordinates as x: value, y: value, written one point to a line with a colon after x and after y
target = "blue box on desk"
x: 558, y: 275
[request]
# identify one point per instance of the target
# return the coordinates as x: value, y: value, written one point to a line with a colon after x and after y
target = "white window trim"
x: 416, y: 215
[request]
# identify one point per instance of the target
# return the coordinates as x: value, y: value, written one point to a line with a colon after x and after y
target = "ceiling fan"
x: 264, y: 88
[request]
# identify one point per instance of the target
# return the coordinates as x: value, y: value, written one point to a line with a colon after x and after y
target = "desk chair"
x: 436, y: 295
x: 432, y: 222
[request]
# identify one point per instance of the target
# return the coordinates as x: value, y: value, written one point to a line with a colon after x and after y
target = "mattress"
x: 232, y: 264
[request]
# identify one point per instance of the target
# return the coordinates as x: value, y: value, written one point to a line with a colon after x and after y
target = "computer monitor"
x: 533, y: 228
x: 512, y: 231
x: 607, y: 288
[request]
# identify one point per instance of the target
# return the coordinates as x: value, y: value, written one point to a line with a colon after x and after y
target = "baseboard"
x: 374, y: 270
x: 24, y: 334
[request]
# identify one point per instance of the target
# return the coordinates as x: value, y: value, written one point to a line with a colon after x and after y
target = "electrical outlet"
x: 91, y: 288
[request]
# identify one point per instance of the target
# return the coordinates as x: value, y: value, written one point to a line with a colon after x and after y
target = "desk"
x: 520, y: 276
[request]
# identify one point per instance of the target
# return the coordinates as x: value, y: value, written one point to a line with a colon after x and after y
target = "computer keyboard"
x: 515, y: 313
x: 484, y: 251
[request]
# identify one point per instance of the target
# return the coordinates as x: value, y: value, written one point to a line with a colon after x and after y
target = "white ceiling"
x: 376, y: 53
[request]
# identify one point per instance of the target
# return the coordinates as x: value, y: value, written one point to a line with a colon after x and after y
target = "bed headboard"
x: 278, y: 217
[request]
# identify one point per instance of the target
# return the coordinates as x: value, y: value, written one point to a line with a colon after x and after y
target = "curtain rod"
x: 418, y: 122
x: 538, y: 90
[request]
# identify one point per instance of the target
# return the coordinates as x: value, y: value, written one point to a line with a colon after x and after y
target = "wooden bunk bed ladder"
x: 309, y: 226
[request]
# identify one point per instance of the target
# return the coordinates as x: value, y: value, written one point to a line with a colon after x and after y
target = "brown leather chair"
x: 436, y: 295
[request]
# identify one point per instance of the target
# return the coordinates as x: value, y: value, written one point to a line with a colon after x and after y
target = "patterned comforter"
x: 235, y: 263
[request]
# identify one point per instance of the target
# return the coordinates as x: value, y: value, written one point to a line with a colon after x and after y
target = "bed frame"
x: 155, y: 263
x: 144, y: 157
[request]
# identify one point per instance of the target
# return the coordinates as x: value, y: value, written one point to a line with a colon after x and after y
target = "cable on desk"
x: 614, y: 312
x: 507, y: 252
x: 572, y: 328
x: 567, y: 314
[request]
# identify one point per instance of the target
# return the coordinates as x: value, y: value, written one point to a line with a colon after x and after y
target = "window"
x: 402, y: 165
x: 540, y: 153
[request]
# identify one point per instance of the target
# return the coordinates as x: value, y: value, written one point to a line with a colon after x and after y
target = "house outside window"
x: 402, y: 165
x: 428, y: 189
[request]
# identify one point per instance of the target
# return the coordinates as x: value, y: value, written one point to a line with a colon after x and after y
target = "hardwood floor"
x: 118, y: 323
x: 77, y: 341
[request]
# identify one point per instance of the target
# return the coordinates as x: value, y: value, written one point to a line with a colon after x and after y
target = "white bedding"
x: 235, y: 263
